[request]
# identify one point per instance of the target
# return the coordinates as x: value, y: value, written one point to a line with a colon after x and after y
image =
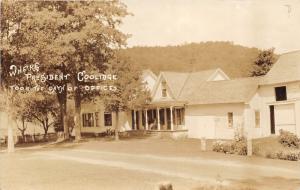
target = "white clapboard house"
x: 209, y: 104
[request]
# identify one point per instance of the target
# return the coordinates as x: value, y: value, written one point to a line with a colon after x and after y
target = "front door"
x: 272, y: 119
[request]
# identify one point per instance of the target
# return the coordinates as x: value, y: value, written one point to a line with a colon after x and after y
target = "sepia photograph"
x: 150, y: 95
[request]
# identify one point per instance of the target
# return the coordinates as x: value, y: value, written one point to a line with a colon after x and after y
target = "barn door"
x: 272, y: 119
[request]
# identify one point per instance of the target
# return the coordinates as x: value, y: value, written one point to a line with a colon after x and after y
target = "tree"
x: 21, y: 113
x: 89, y: 40
x: 35, y: 107
x: 39, y: 29
x: 11, y: 18
x: 263, y: 62
x: 130, y: 91
x: 44, y: 110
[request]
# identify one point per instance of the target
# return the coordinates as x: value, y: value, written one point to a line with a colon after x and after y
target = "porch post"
x: 134, y: 120
x: 158, y: 119
x: 146, y: 119
x: 140, y: 119
x: 165, y: 118
x: 175, y: 117
x: 171, y: 116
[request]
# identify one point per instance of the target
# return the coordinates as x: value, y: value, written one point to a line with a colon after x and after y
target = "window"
x: 164, y: 89
x: 87, y: 119
x: 230, y: 119
x: 97, y: 119
x: 257, y: 119
x: 107, y: 119
x: 179, y: 116
x: 280, y: 93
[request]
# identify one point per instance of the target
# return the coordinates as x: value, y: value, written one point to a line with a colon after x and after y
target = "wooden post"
x: 171, y: 112
x: 10, y: 135
x: 249, y: 122
x: 140, y: 119
x: 158, y: 120
x: 165, y: 118
x: 10, y: 139
x: 175, y: 117
x: 134, y: 120
x: 146, y: 119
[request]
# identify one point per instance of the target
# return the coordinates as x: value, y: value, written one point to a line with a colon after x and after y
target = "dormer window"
x: 164, y: 89
x: 280, y: 93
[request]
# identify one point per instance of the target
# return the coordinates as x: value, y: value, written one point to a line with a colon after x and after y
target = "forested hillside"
x: 235, y: 60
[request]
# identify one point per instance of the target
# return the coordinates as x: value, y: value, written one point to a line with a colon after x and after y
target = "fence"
x: 32, y: 138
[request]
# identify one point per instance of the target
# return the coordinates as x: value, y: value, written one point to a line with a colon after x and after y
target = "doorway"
x: 272, y: 119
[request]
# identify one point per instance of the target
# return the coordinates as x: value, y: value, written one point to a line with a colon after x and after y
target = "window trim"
x: 111, y: 122
x: 278, y: 98
x: 88, y: 120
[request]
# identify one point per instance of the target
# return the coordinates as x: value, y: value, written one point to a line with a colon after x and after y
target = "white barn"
x: 209, y: 104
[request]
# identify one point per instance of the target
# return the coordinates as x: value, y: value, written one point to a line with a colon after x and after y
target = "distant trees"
x: 263, y: 62
x: 130, y: 90
x: 235, y: 60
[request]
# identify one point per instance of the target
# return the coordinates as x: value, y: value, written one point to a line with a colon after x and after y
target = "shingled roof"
x: 194, y: 88
x: 194, y: 81
x: 175, y: 81
x: 286, y: 69
x: 180, y: 82
x: 226, y: 91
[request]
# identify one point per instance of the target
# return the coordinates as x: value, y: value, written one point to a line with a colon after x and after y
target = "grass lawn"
x: 141, y: 163
x: 269, y: 145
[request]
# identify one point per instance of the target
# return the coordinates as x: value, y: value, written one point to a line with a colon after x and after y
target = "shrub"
x: 271, y: 155
x: 223, y: 146
x: 284, y: 155
x: 238, y: 146
x: 216, y: 146
x: 289, y: 139
x: 288, y: 155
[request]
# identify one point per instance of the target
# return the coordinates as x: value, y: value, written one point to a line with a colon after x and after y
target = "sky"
x: 252, y: 23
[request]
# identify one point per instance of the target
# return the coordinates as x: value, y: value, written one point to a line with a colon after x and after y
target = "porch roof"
x: 166, y: 103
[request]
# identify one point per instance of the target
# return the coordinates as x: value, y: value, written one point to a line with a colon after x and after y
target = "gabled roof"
x: 149, y: 72
x: 218, y: 72
x: 226, y: 91
x: 180, y: 83
x: 286, y: 69
x: 175, y: 81
x: 196, y: 88
x: 194, y: 81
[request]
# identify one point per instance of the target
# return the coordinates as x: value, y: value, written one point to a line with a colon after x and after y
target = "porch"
x: 159, y: 118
